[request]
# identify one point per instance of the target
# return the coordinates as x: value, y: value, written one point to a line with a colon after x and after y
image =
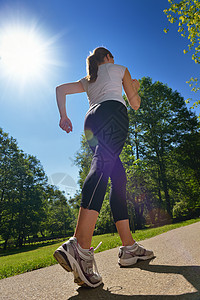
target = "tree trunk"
x: 1, y: 201
x: 136, y: 142
x: 165, y: 188
x: 42, y: 234
x: 5, y: 244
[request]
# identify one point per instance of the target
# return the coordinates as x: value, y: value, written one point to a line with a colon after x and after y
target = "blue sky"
x: 132, y: 30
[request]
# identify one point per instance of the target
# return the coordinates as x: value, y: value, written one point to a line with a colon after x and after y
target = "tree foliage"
x: 26, y: 205
x: 157, y: 132
x: 187, y: 14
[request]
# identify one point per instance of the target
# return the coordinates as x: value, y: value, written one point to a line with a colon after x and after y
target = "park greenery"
x: 187, y: 14
x: 162, y: 162
x: 28, y: 205
x: 39, y: 255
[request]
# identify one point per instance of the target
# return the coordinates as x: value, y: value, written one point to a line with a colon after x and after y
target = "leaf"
x: 182, y: 19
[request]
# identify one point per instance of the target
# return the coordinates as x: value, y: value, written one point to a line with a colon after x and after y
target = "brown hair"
x: 94, y: 60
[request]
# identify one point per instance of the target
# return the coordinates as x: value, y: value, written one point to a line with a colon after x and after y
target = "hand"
x: 136, y: 84
x: 65, y: 124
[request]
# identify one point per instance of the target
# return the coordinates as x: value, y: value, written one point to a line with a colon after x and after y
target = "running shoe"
x: 129, y: 255
x: 79, y: 261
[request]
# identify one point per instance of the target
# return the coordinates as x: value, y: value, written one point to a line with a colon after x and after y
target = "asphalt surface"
x: 173, y: 274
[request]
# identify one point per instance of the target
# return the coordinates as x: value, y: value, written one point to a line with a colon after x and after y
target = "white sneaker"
x: 129, y: 255
x: 79, y: 261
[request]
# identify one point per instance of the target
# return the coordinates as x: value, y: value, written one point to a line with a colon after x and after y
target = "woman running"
x: 106, y: 127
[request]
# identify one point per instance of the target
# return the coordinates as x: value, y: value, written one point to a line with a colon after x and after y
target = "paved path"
x: 174, y: 274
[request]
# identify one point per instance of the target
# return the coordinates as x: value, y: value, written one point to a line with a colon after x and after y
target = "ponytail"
x: 92, y: 68
x: 94, y: 60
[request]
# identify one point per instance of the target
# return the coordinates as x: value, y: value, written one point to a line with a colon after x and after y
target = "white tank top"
x: 108, y: 85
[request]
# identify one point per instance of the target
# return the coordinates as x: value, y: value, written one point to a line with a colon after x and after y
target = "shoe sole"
x: 64, y: 262
x: 68, y: 262
x: 134, y: 260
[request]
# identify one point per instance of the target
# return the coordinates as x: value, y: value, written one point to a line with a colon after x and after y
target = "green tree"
x: 162, y: 122
x: 22, y: 192
x: 8, y: 186
x: 187, y: 177
x: 30, y: 198
x: 59, y: 214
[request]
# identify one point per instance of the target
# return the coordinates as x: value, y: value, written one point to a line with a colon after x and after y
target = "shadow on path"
x: 190, y: 273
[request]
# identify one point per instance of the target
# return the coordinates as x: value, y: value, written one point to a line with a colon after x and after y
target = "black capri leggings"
x: 106, y: 128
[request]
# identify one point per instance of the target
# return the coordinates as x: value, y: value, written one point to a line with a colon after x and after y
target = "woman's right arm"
x: 61, y: 92
x: 131, y: 88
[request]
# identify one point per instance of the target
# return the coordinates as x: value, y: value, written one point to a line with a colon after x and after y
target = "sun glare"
x: 23, y: 54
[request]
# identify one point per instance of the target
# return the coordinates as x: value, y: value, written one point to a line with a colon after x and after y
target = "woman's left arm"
x: 131, y: 87
x: 61, y: 92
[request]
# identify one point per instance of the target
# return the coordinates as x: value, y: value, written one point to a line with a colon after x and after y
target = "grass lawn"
x: 29, y: 259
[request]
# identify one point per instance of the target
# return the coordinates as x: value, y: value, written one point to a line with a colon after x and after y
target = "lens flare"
x: 91, y: 138
x: 158, y: 217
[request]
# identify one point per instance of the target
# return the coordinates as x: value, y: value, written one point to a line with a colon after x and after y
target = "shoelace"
x: 93, y: 261
x: 98, y: 246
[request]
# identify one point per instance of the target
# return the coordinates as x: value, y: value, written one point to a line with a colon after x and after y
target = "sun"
x: 23, y: 53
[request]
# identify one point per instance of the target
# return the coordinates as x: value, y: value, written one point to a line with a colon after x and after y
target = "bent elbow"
x: 57, y: 89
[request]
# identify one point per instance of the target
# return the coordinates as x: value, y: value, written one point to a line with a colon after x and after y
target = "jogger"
x: 106, y: 128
